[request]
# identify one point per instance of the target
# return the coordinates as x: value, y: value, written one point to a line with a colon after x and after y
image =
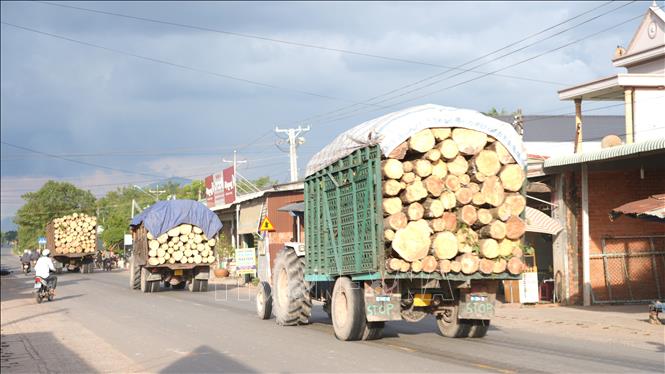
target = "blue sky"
x: 145, y: 120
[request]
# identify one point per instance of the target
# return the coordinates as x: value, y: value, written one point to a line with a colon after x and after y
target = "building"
x: 596, y: 259
x: 243, y: 217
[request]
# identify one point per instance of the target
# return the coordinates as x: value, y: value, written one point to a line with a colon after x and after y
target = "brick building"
x: 598, y: 260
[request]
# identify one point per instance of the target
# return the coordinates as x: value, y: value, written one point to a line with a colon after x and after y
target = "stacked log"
x: 452, y: 204
x: 184, y: 244
x: 75, y: 233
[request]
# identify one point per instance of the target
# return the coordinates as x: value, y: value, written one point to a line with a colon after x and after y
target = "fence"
x: 632, y: 268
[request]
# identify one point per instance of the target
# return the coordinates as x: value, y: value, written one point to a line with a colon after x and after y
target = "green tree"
x: 115, y: 214
x: 192, y: 191
x: 52, y: 200
x: 495, y: 113
x: 9, y: 236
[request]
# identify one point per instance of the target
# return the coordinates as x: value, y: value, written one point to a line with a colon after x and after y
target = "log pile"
x: 184, y: 244
x: 452, y: 204
x: 75, y: 233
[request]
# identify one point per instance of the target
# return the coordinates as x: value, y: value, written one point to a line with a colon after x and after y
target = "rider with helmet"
x: 43, y: 268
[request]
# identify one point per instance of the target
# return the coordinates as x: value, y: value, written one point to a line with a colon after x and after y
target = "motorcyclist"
x: 43, y: 268
x: 34, y: 256
x: 25, y: 258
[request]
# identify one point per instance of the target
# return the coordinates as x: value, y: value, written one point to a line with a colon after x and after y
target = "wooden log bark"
x: 416, y: 191
x: 448, y: 149
x: 392, y: 205
x: 469, y: 142
x: 492, y: 189
x: 487, y: 162
x: 429, y: 264
x: 458, y: 166
x: 512, y: 177
x: 489, y: 248
x: 464, y: 195
x: 434, y: 185
x: 504, y: 156
x: 391, y: 187
x: 515, y: 266
x: 395, y: 221
x: 392, y: 168
x: 422, y: 168
x: 445, y: 245
x: 400, y: 151
x: 467, y: 214
x: 470, y: 263
x: 422, y: 141
x: 413, y: 241
x: 515, y: 228
x: 415, y: 211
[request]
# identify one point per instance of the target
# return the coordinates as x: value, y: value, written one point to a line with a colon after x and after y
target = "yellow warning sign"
x: 266, y: 225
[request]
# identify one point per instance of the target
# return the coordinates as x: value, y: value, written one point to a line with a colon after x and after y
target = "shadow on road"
x: 35, y: 316
x: 37, y: 352
x: 66, y: 297
x: 206, y: 360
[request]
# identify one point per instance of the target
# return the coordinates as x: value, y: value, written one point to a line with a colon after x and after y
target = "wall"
x: 649, y: 113
x: 283, y: 222
x: 608, y: 190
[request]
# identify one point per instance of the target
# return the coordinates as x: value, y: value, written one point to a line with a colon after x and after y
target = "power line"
x: 287, y: 42
x: 349, y: 115
x: 341, y: 109
x: 173, y: 64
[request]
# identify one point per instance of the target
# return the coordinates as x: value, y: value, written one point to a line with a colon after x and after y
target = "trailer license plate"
x: 382, y: 307
x: 477, y: 307
x: 177, y: 272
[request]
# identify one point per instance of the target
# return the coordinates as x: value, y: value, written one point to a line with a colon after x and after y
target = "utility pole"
x: 235, y: 190
x: 294, y: 140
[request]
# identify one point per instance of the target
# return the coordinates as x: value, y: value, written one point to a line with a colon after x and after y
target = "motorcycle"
x: 43, y: 290
x: 26, y: 268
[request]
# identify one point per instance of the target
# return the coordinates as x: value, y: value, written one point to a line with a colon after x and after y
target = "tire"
x: 479, y: 328
x: 83, y: 268
x: 292, y: 304
x: 49, y: 297
x: 203, y: 285
x: 348, y: 310
x: 179, y: 286
x: 167, y: 284
x: 373, y: 330
x: 154, y: 286
x: 193, y: 285
x: 39, y: 298
x: 452, y: 327
x: 134, y: 275
x: 91, y: 268
x: 264, y: 301
x: 145, y: 285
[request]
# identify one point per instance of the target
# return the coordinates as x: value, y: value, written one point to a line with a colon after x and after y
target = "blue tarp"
x: 165, y: 215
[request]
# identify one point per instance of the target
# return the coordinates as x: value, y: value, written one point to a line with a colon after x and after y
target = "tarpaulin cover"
x: 392, y: 129
x: 165, y: 215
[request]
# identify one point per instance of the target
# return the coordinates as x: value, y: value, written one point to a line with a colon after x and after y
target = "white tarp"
x: 392, y: 129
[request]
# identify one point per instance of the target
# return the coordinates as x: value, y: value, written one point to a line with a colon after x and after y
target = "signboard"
x: 266, y: 225
x: 229, y: 185
x: 128, y: 239
x: 218, y: 188
x: 41, y: 240
x: 210, y: 192
x: 245, y: 261
x: 529, y: 288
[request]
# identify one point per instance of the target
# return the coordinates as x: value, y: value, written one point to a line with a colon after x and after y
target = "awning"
x: 537, y: 221
x: 651, y: 208
x: 250, y: 215
x: 293, y: 207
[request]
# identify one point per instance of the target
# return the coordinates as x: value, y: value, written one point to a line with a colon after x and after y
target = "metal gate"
x: 632, y: 268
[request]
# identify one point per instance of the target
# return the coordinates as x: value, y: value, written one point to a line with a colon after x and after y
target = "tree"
x: 496, y: 113
x: 115, y: 214
x: 52, y: 200
x: 9, y: 236
x: 192, y: 191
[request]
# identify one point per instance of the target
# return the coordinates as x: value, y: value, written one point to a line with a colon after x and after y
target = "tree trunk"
x: 515, y: 228
x: 392, y: 168
x: 512, y: 177
x: 487, y: 162
x: 467, y: 214
x: 415, y: 211
x: 492, y: 189
x: 413, y: 241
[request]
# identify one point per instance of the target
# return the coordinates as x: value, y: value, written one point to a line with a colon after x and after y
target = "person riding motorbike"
x: 34, y: 256
x: 25, y: 260
x: 43, y: 268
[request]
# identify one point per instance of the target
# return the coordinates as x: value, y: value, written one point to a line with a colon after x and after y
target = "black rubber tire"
x: 39, y: 298
x: 292, y: 304
x: 154, y: 286
x: 49, y: 297
x: 145, y: 285
x: 179, y: 286
x: 203, y: 285
x: 167, y: 284
x: 479, y: 328
x: 83, y: 269
x: 91, y: 268
x: 452, y: 327
x: 373, y: 330
x: 348, y: 310
x: 193, y: 285
x: 134, y: 275
x: 264, y: 301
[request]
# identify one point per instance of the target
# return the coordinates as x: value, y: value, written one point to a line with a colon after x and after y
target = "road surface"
x: 116, y: 329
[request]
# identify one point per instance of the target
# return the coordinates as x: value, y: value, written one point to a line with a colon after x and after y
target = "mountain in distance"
x: 177, y: 180
x: 7, y: 224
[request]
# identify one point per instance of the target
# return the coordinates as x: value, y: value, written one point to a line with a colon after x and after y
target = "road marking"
x: 410, y: 350
x: 504, y: 371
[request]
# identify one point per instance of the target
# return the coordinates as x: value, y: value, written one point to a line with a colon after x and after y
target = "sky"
x: 135, y: 92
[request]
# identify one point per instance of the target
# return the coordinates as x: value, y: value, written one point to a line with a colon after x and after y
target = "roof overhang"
x: 639, y: 57
x: 611, y: 88
x: 649, y: 153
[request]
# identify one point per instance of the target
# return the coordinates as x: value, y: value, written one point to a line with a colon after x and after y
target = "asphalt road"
x: 218, y: 331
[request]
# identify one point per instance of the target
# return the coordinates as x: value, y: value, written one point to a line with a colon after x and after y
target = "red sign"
x: 229, y: 185
x: 218, y: 188
x: 210, y: 193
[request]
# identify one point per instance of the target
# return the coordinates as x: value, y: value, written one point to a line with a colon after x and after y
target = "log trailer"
x: 369, y: 266
x: 174, y: 246
x: 72, y: 240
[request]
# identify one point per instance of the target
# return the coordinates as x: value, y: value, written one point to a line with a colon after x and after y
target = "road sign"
x: 41, y: 240
x: 266, y: 225
x: 128, y: 239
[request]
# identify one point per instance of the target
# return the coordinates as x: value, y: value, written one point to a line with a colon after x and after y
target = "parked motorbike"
x: 26, y: 268
x: 43, y: 290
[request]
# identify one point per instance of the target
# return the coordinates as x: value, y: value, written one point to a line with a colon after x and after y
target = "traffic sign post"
x: 266, y: 225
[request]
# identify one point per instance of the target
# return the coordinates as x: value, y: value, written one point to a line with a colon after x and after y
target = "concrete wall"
x: 283, y: 221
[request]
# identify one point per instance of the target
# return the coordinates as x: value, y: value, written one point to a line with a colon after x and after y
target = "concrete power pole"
x: 294, y: 140
x: 235, y: 198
